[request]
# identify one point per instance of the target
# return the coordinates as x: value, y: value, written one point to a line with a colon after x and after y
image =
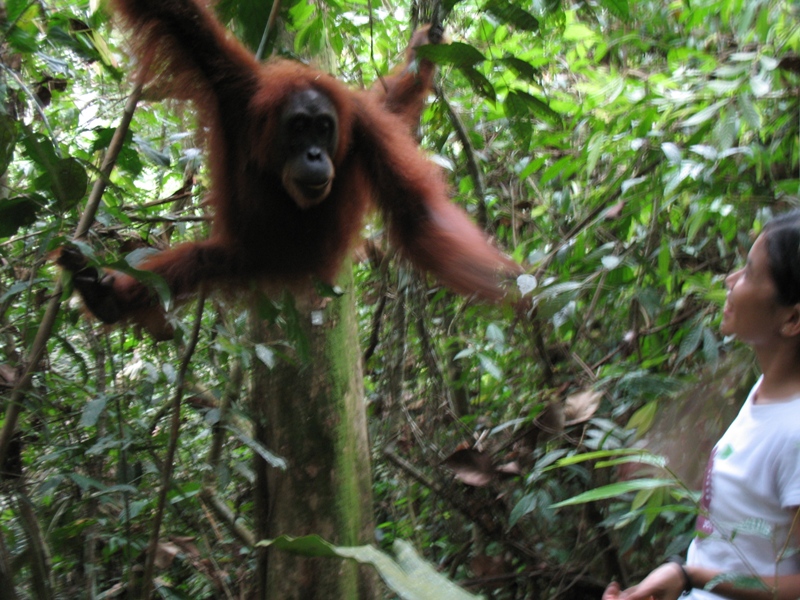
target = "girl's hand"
x: 664, y: 583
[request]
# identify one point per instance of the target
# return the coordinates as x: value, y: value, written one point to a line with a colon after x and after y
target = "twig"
x: 221, y: 509
x: 376, y: 327
x: 472, y: 163
x: 218, y: 430
x: 168, y: 219
x: 109, y: 161
x: 273, y: 16
x: 482, y: 518
x: 38, y: 552
x: 46, y: 326
x: 175, y: 426
x: 595, y: 213
x: 6, y: 574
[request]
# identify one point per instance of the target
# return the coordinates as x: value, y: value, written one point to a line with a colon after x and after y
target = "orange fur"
x: 259, y: 233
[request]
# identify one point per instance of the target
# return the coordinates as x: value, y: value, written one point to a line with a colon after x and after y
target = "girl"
x: 748, y: 521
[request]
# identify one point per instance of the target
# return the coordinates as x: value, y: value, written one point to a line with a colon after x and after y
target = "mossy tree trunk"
x: 311, y: 412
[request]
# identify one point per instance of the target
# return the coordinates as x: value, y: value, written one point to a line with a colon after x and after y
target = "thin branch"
x: 221, y: 509
x: 7, y: 591
x: 374, y: 337
x: 38, y: 552
x: 472, y: 162
x: 596, y: 213
x: 109, y: 161
x: 46, y: 326
x: 218, y: 430
x: 273, y: 16
x: 175, y: 426
x: 200, y: 219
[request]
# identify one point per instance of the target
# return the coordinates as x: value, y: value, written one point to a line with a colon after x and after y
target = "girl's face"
x: 752, y: 312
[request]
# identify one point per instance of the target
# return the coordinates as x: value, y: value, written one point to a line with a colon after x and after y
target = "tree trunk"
x: 311, y: 412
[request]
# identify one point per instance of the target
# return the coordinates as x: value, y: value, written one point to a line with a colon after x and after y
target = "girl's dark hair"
x: 782, y: 235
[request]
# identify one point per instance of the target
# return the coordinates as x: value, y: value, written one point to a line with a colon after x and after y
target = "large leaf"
x: 406, y: 574
x: 18, y: 212
x: 65, y: 177
x: 619, y: 8
x: 8, y: 139
x: 479, y: 83
x: 512, y: 14
x: 534, y: 106
x: 615, y: 490
x: 456, y: 54
x: 523, y: 69
x: 69, y: 182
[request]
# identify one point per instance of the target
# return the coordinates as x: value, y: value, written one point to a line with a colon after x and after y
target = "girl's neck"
x: 781, y: 369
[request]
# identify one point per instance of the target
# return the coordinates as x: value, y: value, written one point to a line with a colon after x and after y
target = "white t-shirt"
x: 752, y: 481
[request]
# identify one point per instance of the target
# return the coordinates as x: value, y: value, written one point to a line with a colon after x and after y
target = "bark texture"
x: 311, y: 412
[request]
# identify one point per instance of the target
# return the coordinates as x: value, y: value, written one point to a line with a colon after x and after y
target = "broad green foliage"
x: 622, y: 152
x: 406, y: 573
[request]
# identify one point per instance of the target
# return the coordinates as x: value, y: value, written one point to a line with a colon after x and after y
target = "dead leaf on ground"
x: 165, y: 554
x: 471, y: 467
x: 581, y: 407
x: 511, y: 469
x: 8, y: 375
x: 476, y: 468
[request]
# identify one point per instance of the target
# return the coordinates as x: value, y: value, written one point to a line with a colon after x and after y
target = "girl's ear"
x: 791, y: 325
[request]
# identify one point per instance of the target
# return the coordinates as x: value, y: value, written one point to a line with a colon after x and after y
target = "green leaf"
x: 155, y: 156
x: 8, y: 140
x: 69, y: 182
x: 273, y: 459
x: 749, y: 111
x: 619, y: 8
x: 597, y: 454
x: 455, y: 54
x: 516, y: 111
x: 526, y: 104
x: 652, y: 460
x: 40, y: 149
x: 294, y: 328
x: 448, y: 5
x: 578, y: 32
x: 710, y: 346
x: 490, y: 367
x: 18, y: 212
x: 86, y: 483
x: 704, y: 115
x: 526, y: 505
x: 479, y: 83
x: 643, y: 418
x: 614, y: 490
x: 672, y: 152
x: 521, y: 68
x: 92, y: 411
x: 406, y: 574
x: 511, y: 14
x: 641, y: 498
x: 19, y: 286
x: 690, y: 342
